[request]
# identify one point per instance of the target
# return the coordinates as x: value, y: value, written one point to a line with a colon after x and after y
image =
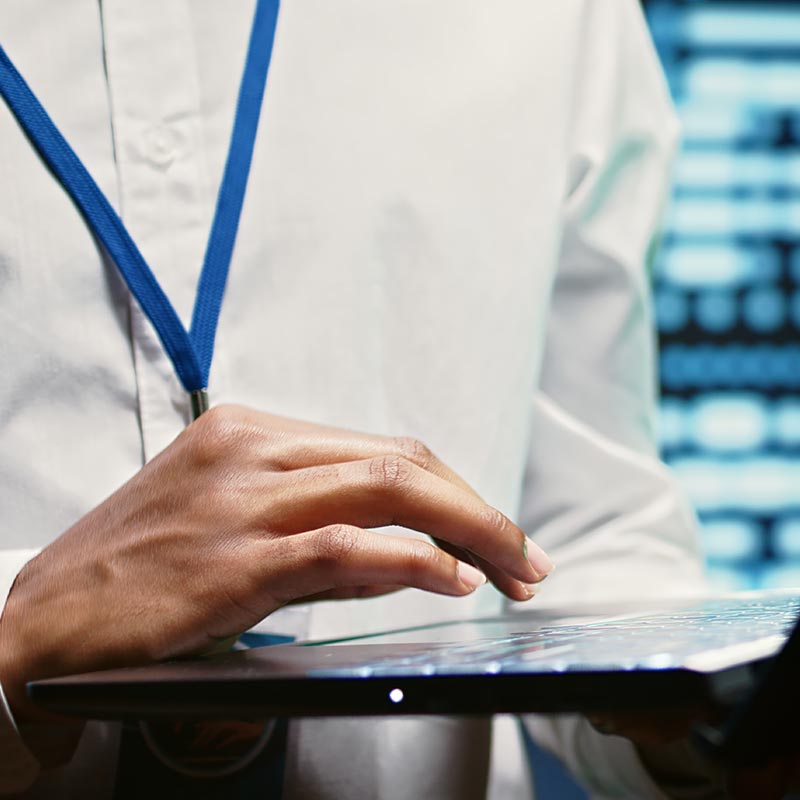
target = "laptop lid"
x: 675, y: 653
x: 764, y: 724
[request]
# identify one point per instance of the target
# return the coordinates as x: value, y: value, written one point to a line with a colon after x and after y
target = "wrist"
x: 50, y: 739
x: 18, y: 653
x: 12, y: 670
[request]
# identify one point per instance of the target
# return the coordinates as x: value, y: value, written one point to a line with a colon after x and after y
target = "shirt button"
x: 160, y: 144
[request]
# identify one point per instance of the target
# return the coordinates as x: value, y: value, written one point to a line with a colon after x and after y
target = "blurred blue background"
x: 727, y: 282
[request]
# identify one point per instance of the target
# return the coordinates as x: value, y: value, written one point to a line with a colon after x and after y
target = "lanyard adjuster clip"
x: 199, y: 399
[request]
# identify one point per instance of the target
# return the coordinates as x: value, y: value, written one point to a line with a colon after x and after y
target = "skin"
x: 243, y: 513
x: 651, y: 732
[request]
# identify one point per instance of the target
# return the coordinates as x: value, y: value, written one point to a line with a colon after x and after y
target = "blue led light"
x: 784, y: 366
x: 743, y: 26
x: 721, y: 169
x: 786, y: 538
x: 723, y: 265
x: 703, y: 480
x: 672, y: 363
x: 716, y: 311
x: 759, y: 485
x: 786, y: 425
x: 731, y: 365
x: 731, y: 539
x: 764, y: 309
x: 775, y: 82
x: 711, y: 122
x: 732, y: 225
x: 727, y: 365
x: 794, y: 309
x: 729, y: 423
x: 672, y: 310
x: 780, y: 576
x: 700, y: 363
x: 754, y: 367
x: 734, y: 216
x: 730, y: 579
x: 672, y: 427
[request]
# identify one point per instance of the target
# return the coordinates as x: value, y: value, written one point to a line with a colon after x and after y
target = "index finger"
x: 290, y: 444
x: 393, y: 491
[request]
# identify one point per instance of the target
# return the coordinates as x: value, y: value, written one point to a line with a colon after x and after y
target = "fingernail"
x: 531, y: 589
x: 470, y: 576
x: 538, y: 559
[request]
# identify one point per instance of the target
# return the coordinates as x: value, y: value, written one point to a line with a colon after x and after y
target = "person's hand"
x: 663, y: 743
x: 241, y: 514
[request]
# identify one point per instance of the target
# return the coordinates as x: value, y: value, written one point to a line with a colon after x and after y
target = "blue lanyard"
x: 190, y: 351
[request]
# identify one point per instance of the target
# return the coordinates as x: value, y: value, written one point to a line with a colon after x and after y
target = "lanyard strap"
x: 190, y: 351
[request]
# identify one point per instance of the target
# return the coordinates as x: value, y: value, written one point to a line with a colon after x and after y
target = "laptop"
x: 736, y: 655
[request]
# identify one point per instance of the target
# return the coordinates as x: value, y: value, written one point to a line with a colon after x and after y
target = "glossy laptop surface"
x: 678, y: 653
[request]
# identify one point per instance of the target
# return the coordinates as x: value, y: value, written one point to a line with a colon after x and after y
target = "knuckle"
x: 423, y: 558
x: 414, y: 450
x: 217, y: 432
x: 390, y: 472
x: 336, y: 544
x: 495, y: 519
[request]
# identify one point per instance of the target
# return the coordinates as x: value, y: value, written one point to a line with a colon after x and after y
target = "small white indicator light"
x: 396, y: 695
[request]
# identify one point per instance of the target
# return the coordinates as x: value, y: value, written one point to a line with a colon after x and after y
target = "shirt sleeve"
x: 18, y: 767
x: 596, y: 496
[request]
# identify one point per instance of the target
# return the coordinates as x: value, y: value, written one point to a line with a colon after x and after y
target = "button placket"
x: 162, y: 144
x: 162, y: 176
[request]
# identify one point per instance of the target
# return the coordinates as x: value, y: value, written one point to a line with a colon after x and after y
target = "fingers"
x: 393, y: 491
x: 513, y: 589
x: 349, y: 593
x: 341, y: 557
x: 304, y: 445
x: 291, y: 444
x: 315, y: 476
x: 311, y: 449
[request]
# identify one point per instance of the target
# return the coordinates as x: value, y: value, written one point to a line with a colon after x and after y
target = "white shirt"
x: 445, y: 235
